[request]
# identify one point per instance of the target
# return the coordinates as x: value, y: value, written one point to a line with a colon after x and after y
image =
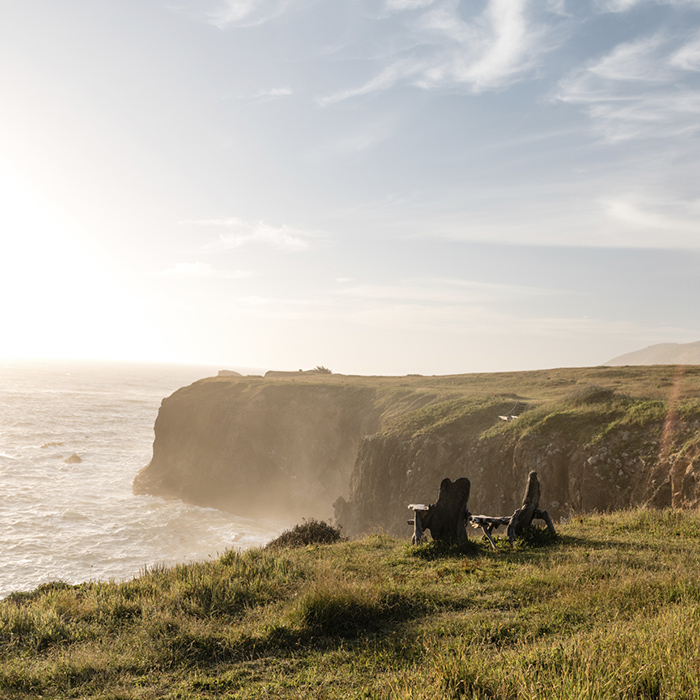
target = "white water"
x: 80, y: 522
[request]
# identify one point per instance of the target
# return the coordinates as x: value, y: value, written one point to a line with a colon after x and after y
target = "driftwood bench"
x: 447, y: 518
x: 522, y: 517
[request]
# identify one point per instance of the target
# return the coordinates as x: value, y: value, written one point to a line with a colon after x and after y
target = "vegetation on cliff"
x: 610, y: 608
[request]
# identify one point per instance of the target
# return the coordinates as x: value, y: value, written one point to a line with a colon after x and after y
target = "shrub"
x: 308, y: 532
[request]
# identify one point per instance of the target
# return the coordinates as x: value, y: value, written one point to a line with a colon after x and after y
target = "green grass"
x: 609, y: 608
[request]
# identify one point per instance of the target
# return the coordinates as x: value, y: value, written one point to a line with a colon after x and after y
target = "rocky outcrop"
x: 371, y: 446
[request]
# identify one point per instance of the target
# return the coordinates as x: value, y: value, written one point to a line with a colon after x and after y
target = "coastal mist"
x: 72, y: 437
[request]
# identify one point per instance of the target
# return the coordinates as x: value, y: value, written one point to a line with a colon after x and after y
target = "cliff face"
x: 285, y: 447
x: 258, y: 448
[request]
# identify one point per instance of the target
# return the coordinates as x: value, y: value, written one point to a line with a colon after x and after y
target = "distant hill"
x: 661, y: 354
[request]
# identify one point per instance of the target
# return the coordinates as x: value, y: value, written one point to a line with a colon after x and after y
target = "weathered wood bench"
x: 522, y: 517
x: 445, y: 519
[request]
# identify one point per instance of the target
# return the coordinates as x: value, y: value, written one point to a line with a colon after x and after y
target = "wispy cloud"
x: 441, y: 291
x: 244, y: 13
x: 622, y: 207
x: 408, y: 4
x: 263, y: 95
x: 558, y: 7
x: 677, y: 217
x: 618, y: 6
x: 489, y: 52
x: 238, y: 233
x: 359, y: 138
x: 203, y: 270
x: 641, y: 89
x: 688, y: 56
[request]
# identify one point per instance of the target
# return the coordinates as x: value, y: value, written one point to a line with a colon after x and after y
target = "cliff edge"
x: 599, y: 438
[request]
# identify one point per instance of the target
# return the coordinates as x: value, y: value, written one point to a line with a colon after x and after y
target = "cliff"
x: 260, y: 447
x: 599, y: 438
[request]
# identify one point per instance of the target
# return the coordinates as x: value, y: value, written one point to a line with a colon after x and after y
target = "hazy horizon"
x: 376, y: 186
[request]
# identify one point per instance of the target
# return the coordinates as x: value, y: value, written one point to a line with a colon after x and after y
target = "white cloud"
x: 490, y: 52
x: 618, y: 6
x: 203, y: 270
x: 264, y: 94
x: 641, y: 89
x: 445, y: 291
x: 683, y: 217
x: 239, y: 233
x: 634, y: 61
x: 390, y: 76
x: 245, y: 13
x: 558, y: 7
x: 274, y: 92
x: 408, y: 4
x: 688, y: 56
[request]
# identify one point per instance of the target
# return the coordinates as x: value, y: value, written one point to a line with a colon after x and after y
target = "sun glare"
x: 57, y: 300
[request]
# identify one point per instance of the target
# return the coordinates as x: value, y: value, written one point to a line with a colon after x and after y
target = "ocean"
x: 75, y: 521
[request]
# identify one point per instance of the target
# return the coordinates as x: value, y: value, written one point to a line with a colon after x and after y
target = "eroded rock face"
x: 258, y: 449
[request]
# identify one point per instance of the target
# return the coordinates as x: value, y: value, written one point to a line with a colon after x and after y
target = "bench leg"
x: 487, y: 532
x: 417, y: 528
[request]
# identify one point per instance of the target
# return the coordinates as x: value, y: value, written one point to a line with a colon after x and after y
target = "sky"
x: 375, y: 186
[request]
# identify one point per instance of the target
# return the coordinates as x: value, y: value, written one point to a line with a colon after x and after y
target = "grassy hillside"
x: 610, y: 608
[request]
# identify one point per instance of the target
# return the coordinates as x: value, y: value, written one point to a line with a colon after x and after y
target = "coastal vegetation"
x: 609, y: 607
